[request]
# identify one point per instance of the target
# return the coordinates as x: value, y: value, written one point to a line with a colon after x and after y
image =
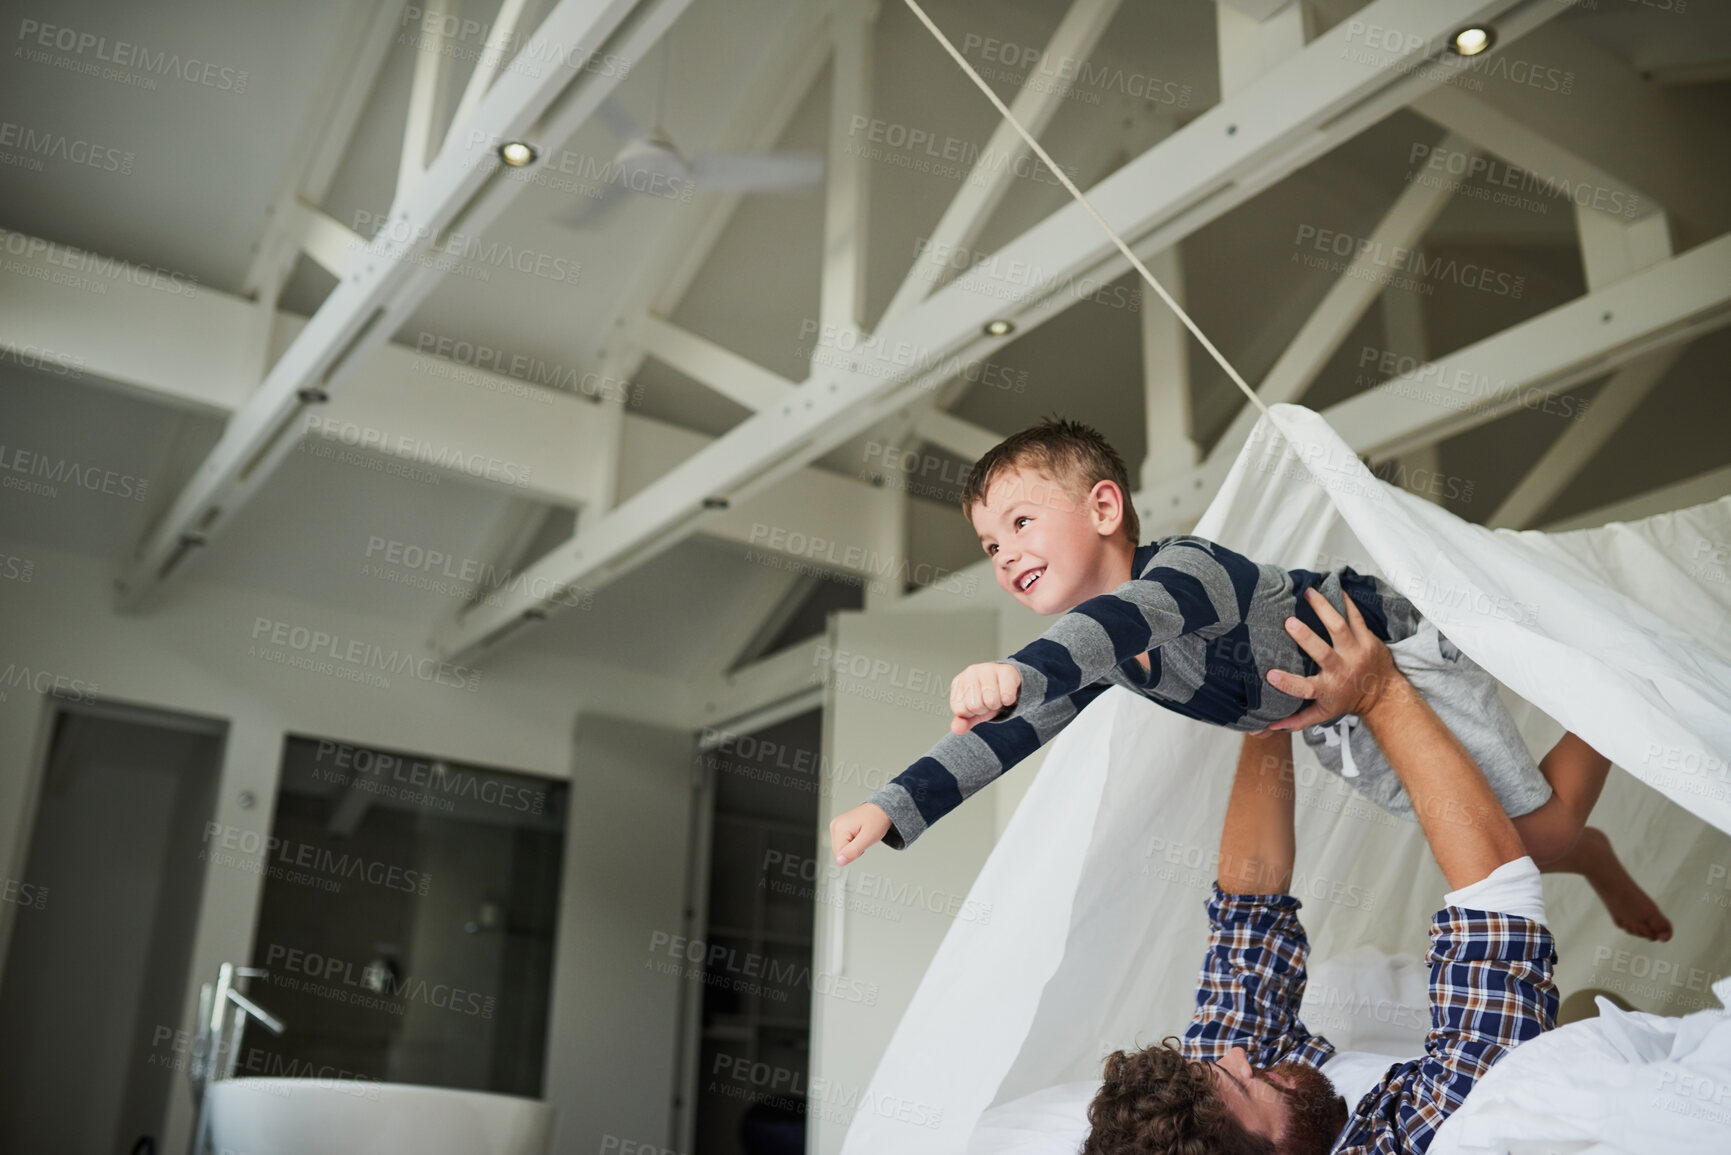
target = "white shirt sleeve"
x: 1512, y: 888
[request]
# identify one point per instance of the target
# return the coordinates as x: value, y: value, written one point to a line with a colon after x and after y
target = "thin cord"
x: 1077, y: 193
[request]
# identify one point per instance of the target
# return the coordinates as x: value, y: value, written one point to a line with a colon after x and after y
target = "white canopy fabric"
x: 1620, y: 634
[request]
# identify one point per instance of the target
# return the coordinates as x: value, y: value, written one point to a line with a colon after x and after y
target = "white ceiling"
x: 207, y: 163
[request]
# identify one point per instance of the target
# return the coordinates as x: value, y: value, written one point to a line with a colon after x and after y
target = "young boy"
x: 1197, y: 628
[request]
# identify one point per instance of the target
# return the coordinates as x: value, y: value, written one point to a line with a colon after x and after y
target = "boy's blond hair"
x: 1070, y: 453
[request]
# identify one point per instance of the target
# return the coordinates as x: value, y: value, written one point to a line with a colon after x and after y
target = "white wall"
x: 192, y: 655
x: 873, y: 943
x: 611, y: 1055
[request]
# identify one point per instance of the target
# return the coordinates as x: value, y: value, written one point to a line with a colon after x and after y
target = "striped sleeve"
x: 961, y: 764
x: 1186, y: 589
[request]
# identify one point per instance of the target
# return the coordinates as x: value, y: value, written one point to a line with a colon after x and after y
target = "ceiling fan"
x: 651, y: 165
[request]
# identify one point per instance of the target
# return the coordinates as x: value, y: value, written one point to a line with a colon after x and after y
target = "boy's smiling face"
x: 1052, y: 548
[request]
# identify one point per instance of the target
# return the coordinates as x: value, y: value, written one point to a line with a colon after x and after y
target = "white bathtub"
x: 347, y: 1117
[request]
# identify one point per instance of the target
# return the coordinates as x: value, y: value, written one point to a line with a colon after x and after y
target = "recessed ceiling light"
x: 1000, y: 328
x: 1472, y: 41
x: 516, y: 154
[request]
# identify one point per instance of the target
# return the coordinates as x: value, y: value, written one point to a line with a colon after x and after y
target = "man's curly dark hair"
x: 1157, y: 1102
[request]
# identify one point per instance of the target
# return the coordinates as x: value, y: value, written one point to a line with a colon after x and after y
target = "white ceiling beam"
x: 336, y: 247
x: 1677, y: 300
x: 462, y: 192
x: 1540, y: 358
x: 424, y: 127
x: 1580, y: 442
x: 1037, y: 101
x: 1697, y: 490
x: 1166, y: 408
x: 1253, y: 37
x: 494, y: 53
x: 847, y: 190
x: 823, y: 522
x: 733, y: 376
x: 1611, y: 250
x: 949, y: 432
x: 1345, y: 42
x: 1354, y: 291
x: 1612, y: 134
x: 199, y: 350
x: 362, y: 49
x: 1258, y: 10
x: 786, y: 683
x: 193, y: 353
x: 1230, y: 153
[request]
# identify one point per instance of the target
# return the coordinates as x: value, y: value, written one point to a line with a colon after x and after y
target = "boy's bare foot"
x: 1632, y: 909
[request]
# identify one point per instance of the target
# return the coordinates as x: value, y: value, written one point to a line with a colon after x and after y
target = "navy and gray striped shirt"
x: 1212, y: 624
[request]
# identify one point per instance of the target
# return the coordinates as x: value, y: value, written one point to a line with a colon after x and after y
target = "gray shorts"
x: 1464, y: 695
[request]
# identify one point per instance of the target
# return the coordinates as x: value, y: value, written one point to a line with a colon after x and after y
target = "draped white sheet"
x: 1620, y: 634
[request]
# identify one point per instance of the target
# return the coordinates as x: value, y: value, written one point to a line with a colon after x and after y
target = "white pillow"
x: 1366, y: 1000
x: 1049, y: 1122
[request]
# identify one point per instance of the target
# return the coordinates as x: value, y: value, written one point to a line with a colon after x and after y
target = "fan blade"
x: 619, y: 122
x: 757, y: 172
x: 593, y: 213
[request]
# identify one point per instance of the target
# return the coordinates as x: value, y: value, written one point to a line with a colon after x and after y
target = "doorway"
x: 102, y: 933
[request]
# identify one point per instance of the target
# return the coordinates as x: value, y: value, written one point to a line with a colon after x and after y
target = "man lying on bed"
x: 1248, y: 1078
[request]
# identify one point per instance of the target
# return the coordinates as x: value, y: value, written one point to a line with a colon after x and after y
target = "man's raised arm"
x: 1467, y: 829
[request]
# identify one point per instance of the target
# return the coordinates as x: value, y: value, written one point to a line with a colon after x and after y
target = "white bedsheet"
x: 1625, y: 1083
